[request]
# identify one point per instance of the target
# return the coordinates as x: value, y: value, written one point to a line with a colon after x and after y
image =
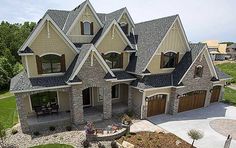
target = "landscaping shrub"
x: 114, y: 144
x: 14, y: 131
x: 85, y: 143
x: 36, y: 133
x: 52, y: 128
x: 126, y: 119
x: 68, y: 128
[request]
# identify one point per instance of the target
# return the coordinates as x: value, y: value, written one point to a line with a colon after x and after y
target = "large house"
x: 85, y: 65
x: 231, y: 50
x: 217, y: 50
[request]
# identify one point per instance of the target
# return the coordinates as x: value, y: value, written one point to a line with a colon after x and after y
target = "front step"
x: 93, y: 118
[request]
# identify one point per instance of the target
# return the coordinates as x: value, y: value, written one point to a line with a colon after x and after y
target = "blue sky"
x: 202, y: 19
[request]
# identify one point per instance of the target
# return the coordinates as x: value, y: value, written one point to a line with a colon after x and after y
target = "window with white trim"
x: 114, y: 60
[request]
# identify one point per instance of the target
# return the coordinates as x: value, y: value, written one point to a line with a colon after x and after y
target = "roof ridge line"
x: 156, y: 19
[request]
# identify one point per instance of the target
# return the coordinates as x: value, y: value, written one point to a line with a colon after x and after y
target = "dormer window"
x: 124, y: 26
x: 86, y: 28
x: 114, y: 60
x: 169, y: 59
x: 50, y: 63
x: 198, y: 71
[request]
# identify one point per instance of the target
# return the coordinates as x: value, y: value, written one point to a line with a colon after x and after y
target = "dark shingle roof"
x: 72, y: 16
x: 150, y: 34
x: 22, y: 82
x: 121, y: 75
x: 221, y: 75
x: 186, y: 61
x: 59, y: 17
x: 151, y: 81
x: 171, y: 79
x: 26, y: 50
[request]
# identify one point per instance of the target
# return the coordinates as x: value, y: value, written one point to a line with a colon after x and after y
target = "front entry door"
x: 86, y: 97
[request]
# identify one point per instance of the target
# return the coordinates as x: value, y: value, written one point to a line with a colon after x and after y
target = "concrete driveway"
x: 199, y: 119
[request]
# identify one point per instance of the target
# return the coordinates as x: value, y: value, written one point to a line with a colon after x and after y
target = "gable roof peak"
x: 153, y: 20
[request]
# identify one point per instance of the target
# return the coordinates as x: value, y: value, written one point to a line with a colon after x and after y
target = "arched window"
x: 86, y: 28
x: 198, y: 71
x: 114, y: 60
x: 51, y: 63
x: 124, y: 26
x: 169, y: 59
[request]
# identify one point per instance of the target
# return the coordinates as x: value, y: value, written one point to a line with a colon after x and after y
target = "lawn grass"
x: 230, y: 69
x: 5, y: 94
x: 230, y: 96
x: 8, y: 112
x: 53, y: 146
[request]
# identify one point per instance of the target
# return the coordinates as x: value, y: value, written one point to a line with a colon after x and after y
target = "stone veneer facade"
x: 92, y: 75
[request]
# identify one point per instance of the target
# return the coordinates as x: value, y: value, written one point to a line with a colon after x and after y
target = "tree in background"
x: 228, y: 43
x: 12, y: 36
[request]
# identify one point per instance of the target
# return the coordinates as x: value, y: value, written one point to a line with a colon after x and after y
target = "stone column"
x: 174, y: 102
x: 129, y: 99
x: 22, y: 113
x: 222, y: 92
x: 107, y: 102
x: 77, y: 111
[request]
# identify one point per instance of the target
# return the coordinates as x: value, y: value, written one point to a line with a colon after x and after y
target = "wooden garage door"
x: 156, y: 105
x: 215, y: 95
x: 192, y: 100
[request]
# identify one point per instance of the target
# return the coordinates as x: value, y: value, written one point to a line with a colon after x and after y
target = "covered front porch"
x: 38, y: 106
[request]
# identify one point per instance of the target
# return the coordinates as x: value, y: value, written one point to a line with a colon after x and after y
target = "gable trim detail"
x: 39, y: 28
x: 185, y: 38
x: 212, y: 69
x: 130, y: 18
x: 81, y: 12
x: 98, y: 57
x: 108, y: 29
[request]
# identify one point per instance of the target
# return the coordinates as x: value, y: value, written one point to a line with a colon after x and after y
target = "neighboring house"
x: 231, y: 50
x: 91, y: 65
x: 217, y: 50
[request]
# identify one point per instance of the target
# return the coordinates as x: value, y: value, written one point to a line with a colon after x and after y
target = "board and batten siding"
x: 114, y: 42
x: 75, y: 33
x: 43, y: 45
x: 174, y: 42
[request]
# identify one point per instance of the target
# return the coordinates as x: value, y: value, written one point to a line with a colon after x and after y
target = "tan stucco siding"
x: 157, y: 91
x: 126, y: 59
x: 114, y: 42
x: 64, y: 101
x: 125, y: 19
x: 43, y: 45
x: 175, y: 42
x: 154, y: 65
x: 75, y: 33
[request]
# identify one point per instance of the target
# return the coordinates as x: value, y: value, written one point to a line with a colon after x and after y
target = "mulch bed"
x: 154, y: 140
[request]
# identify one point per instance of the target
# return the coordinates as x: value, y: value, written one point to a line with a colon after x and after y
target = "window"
x: 169, y: 60
x: 43, y: 99
x: 115, y: 91
x: 124, y: 27
x: 198, y: 71
x: 114, y: 60
x: 86, y: 28
x: 51, y: 63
